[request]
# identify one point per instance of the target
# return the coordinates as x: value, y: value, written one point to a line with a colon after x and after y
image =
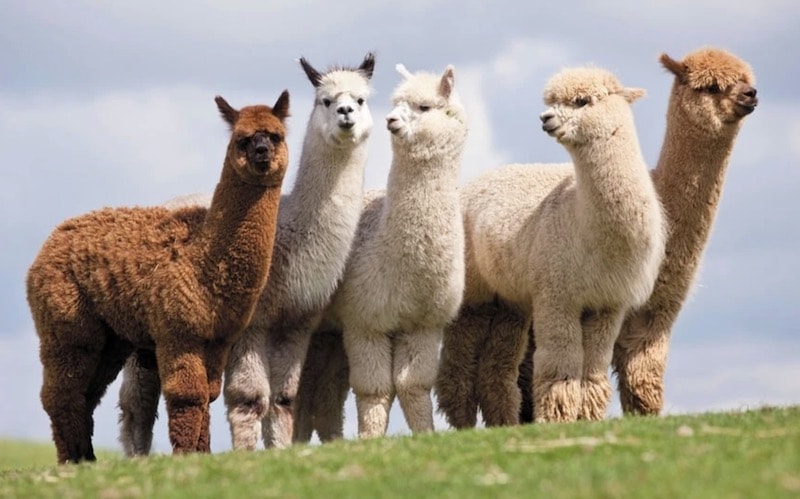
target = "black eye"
x: 243, y: 142
x: 581, y: 101
x: 424, y: 109
x: 326, y: 102
x: 713, y: 89
x: 360, y: 102
x: 275, y: 138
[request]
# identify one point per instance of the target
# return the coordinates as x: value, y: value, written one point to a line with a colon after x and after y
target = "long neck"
x: 688, y: 178
x: 329, y: 185
x: 418, y: 179
x: 239, y: 232
x: 613, y: 183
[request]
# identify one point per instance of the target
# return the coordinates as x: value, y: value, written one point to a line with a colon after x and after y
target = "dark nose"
x: 750, y: 92
x: 344, y: 110
x: 545, y: 116
x: 260, y: 144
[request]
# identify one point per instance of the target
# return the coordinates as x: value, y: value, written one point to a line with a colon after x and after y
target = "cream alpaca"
x: 182, y: 283
x: 405, y: 276
x: 316, y: 225
x: 573, y: 247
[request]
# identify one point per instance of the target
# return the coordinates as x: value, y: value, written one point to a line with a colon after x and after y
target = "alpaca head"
x: 426, y: 109
x: 586, y: 105
x: 341, y: 114
x: 257, y: 150
x: 713, y: 88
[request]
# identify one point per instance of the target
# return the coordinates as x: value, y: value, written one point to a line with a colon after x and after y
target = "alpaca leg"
x: 184, y: 383
x: 323, y: 389
x: 68, y: 371
x: 498, y: 369
x: 216, y: 355
x: 525, y: 380
x: 246, y: 389
x: 370, y: 359
x: 557, y: 365
x: 287, y: 352
x: 640, y: 361
x: 415, y: 363
x: 138, y: 402
x: 458, y: 367
x: 599, y: 333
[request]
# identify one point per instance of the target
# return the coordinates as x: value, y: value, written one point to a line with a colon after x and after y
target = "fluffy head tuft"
x: 584, y: 85
x: 709, y: 66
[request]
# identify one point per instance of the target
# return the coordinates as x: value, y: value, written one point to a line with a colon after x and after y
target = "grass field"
x: 747, y: 454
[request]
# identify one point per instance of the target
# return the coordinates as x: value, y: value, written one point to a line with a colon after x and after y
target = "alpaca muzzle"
x: 550, y: 122
x: 746, y: 101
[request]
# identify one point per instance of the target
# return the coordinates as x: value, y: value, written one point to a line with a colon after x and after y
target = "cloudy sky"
x: 111, y: 103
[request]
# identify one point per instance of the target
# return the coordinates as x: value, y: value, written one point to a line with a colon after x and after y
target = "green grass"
x: 741, y: 454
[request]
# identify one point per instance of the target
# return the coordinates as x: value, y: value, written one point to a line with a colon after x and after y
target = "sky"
x: 111, y: 104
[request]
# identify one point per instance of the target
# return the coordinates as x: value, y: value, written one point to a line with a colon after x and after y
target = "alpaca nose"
x: 750, y: 92
x: 346, y: 109
x: 549, y: 123
x: 546, y: 116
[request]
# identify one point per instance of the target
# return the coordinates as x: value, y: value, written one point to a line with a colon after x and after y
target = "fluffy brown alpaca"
x: 712, y: 94
x: 181, y: 283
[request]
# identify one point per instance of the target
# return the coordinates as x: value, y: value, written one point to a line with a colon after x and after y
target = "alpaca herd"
x: 512, y: 295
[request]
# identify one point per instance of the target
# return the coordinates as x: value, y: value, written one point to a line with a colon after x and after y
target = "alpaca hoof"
x: 558, y: 402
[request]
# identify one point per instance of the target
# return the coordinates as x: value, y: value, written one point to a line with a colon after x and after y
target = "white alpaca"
x: 573, y: 248
x: 405, y: 276
x: 316, y: 225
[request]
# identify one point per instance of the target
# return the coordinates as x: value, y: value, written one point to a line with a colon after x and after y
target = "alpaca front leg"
x: 498, y: 369
x: 456, y: 393
x: 138, y: 403
x: 525, y: 380
x: 184, y: 383
x: 287, y: 352
x: 640, y: 361
x: 557, y: 365
x: 415, y: 363
x: 600, y: 330
x: 246, y: 390
x: 370, y: 359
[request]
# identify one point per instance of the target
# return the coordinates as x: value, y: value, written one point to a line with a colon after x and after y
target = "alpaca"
x: 571, y: 247
x: 316, y: 225
x: 182, y: 283
x: 404, y: 279
x: 712, y: 93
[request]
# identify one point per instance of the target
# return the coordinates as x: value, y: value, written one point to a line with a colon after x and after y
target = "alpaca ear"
x: 406, y: 74
x: 228, y: 113
x: 447, y: 82
x: 677, y: 68
x: 368, y: 65
x: 632, y: 94
x: 313, y: 75
x: 281, y: 107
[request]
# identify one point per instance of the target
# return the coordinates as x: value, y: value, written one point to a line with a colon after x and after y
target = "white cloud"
x: 524, y: 57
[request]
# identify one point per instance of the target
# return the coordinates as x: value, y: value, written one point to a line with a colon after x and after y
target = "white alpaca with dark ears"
x: 405, y: 276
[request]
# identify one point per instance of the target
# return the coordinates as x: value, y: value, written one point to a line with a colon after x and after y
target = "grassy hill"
x: 740, y: 454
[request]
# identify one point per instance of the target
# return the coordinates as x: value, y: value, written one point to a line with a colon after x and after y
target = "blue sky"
x: 111, y: 103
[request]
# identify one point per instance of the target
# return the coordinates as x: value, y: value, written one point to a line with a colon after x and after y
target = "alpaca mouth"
x: 550, y: 128
x: 743, y: 109
x: 347, y: 126
x: 261, y: 167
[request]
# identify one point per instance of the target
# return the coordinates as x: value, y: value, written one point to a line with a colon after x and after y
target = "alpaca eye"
x: 360, y: 102
x: 275, y: 138
x: 424, y: 109
x: 326, y: 102
x: 243, y: 142
x: 581, y: 101
x: 713, y: 89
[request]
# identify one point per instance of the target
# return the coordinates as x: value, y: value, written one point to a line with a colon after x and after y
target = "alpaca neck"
x: 238, y: 236
x: 419, y: 180
x: 611, y: 179
x: 689, y: 177
x: 329, y: 187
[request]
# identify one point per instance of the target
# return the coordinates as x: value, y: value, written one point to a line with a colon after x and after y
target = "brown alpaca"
x: 713, y: 92
x: 181, y: 283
